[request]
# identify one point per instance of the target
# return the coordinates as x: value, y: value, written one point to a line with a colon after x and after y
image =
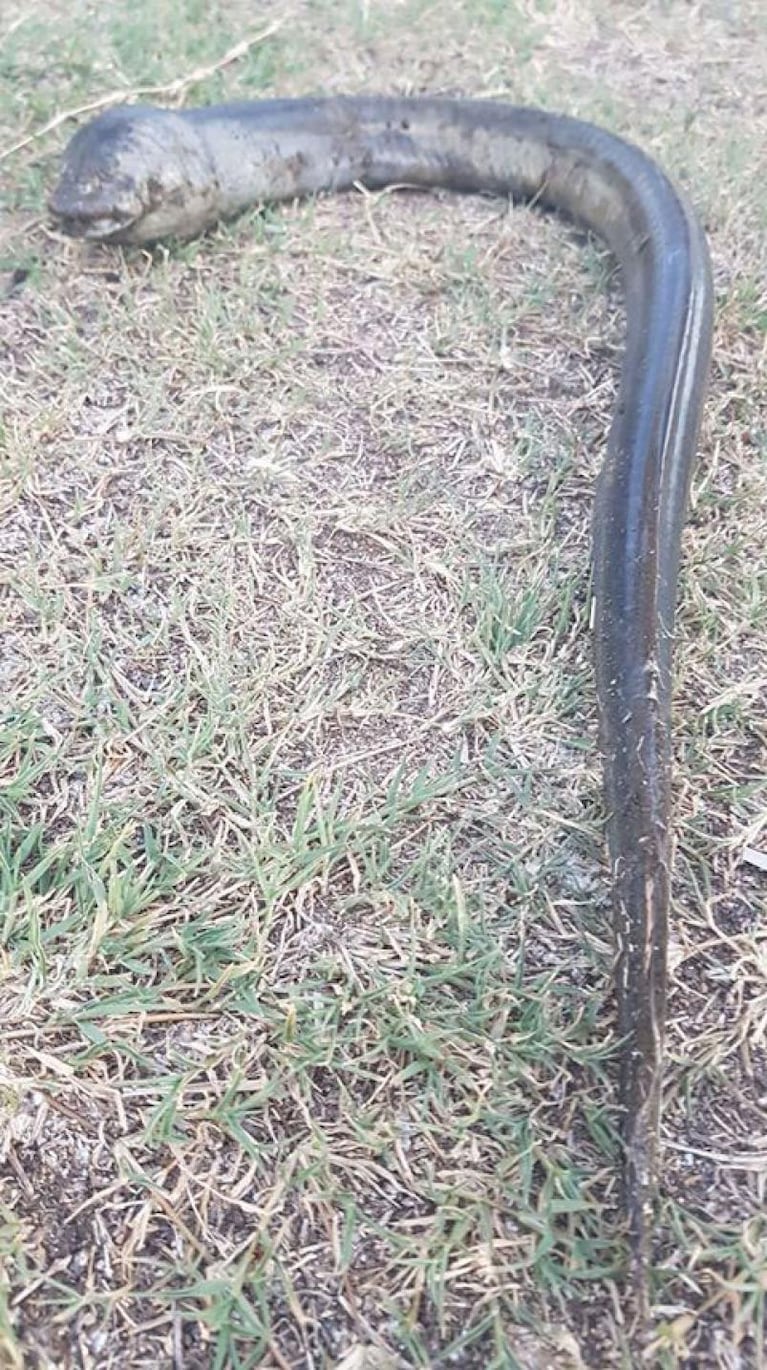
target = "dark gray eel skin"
x: 138, y: 174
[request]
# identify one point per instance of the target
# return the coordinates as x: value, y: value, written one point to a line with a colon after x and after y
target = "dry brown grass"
x: 307, y: 1049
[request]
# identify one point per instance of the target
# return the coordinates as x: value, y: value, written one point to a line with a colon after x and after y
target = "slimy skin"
x: 136, y: 175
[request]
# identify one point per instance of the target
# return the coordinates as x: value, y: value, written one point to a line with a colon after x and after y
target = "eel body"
x: 139, y: 174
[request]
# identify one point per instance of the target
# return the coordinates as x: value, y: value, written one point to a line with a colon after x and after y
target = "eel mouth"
x: 96, y: 210
x: 93, y: 222
x: 94, y: 227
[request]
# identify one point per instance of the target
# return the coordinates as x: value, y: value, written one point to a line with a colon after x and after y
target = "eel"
x: 137, y: 174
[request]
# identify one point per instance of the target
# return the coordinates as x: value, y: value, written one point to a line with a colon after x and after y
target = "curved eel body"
x: 139, y: 174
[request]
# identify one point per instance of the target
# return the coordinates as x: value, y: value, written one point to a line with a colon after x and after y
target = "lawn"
x: 308, y: 1051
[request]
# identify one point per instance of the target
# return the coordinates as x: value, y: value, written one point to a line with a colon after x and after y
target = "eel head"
x: 133, y: 175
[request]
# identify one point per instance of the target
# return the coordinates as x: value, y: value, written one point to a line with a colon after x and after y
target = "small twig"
x: 755, y: 858
x: 174, y: 88
x: 12, y: 27
x: 744, y: 1160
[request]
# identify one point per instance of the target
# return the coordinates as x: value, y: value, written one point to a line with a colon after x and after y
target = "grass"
x: 308, y: 1044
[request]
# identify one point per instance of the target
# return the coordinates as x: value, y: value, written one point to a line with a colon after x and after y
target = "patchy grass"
x: 308, y: 1042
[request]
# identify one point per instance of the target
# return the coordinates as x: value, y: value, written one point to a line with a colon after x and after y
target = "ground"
x: 308, y: 1048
